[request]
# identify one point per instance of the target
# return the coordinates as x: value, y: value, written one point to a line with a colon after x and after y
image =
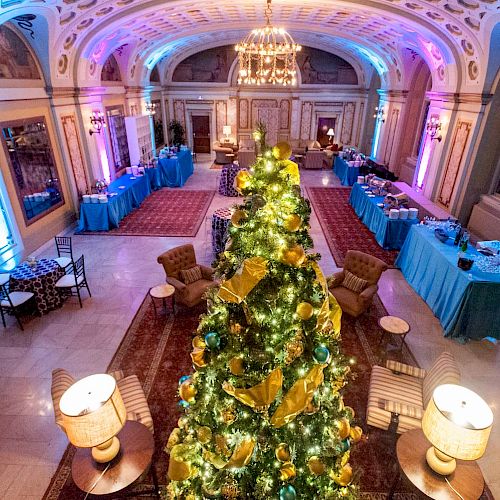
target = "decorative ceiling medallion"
x: 453, y: 29
x: 473, y: 23
x: 473, y: 70
x: 470, y: 4
x: 468, y: 47
x: 454, y: 9
x: 69, y: 42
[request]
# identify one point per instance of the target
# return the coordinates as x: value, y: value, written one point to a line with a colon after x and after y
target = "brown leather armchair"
x: 181, y: 258
x: 363, y: 266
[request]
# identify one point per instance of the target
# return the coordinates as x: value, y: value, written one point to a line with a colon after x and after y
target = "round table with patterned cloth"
x: 227, y: 176
x: 40, y: 280
x: 220, y: 222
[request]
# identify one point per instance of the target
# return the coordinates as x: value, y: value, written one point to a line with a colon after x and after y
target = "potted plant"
x: 176, y: 132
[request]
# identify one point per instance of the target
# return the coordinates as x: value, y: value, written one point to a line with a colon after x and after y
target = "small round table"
x: 163, y: 292
x: 467, y: 478
x: 230, y: 157
x: 220, y: 223
x: 394, y: 326
x: 133, y: 460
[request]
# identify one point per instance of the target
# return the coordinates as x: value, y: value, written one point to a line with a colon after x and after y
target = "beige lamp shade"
x: 457, y: 422
x: 330, y: 132
x: 92, y: 410
x: 226, y: 129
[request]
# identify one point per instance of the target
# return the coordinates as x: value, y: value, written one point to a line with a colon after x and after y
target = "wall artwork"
x: 118, y: 136
x: 347, y: 122
x: 318, y: 67
x: 111, y: 71
x: 75, y: 154
x: 305, y: 120
x: 211, y: 65
x: 16, y: 62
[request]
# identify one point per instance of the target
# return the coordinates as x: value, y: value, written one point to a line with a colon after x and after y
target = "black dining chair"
x: 64, y: 251
x: 13, y: 302
x: 75, y: 279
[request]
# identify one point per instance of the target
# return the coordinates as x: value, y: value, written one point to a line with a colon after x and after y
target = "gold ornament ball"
x: 238, y: 218
x: 293, y: 256
x: 344, y: 428
x: 242, y: 180
x: 292, y: 223
x: 316, y: 466
x: 228, y: 415
x: 282, y: 151
x: 236, y: 366
x: 356, y: 433
x: 287, y: 471
x: 304, y: 311
x: 173, y: 439
x: 350, y: 410
x: 282, y: 452
x: 345, y: 476
x: 204, y: 434
x: 187, y: 391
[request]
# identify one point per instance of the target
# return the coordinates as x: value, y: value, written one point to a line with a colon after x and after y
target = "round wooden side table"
x: 394, y: 326
x: 163, y: 292
x: 467, y: 479
x: 133, y: 460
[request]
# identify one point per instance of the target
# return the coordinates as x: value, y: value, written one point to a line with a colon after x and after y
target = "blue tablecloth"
x: 174, y: 172
x: 106, y: 216
x: 390, y: 234
x: 467, y: 303
x: 347, y: 175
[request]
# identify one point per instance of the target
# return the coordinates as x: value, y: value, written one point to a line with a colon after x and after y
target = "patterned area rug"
x: 157, y: 350
x: 167, y: 212
x: 341, y: 226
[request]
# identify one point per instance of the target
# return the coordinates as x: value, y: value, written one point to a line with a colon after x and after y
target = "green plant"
x: 259, y: 135
x: 176, y: 132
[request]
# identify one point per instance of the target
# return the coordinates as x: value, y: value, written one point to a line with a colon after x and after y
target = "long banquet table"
x: 348, y: 175
x: 390, y: 234
x: 175, y: 171
x: 106, y: 216
x: 467, y: 303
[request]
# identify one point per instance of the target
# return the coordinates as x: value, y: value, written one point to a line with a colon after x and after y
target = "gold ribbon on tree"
x: 261, y: 395
x: 298, y: 397
x: 240, y: 457
x: 292, y: 170
x: 198, y: 352
x: 180, y: 464
x: 244, y: 280
x: 330, y: 313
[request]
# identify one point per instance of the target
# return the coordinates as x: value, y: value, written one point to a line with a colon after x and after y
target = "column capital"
x: 390, y: 95
x: 456, y: 98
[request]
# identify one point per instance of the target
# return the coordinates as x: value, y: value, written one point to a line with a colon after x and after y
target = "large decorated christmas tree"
x: 264, y: 416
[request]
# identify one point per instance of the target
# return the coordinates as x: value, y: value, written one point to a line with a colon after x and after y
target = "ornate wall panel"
x: 258, y: 104
x: 360, y: 122
x: 180, y: 112
x: 389, y: 144
x: 75, y: 154
x: 243, y: 121
x: 284, y: 114
x: 460, y: 137
x: 347, y: 122
x: 305, y: 120
x: 271, y: 117
x: 232, y: 118
x: 220, y: 117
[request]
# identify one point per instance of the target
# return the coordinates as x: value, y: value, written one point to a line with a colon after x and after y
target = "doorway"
x: 201, y: 133
x: 324, y: 124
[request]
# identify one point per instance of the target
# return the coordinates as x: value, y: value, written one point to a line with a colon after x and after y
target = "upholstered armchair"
x: 176, y: 262
x: 246, y: 153
x: 300, y: 146
x: 221, y: 152
x: 364, y: 267
x: 130, y: 389
x: 314, y: 159
x: 399, y: 393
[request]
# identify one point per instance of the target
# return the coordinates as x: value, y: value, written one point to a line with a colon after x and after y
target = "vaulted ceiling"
x: 74, y: 37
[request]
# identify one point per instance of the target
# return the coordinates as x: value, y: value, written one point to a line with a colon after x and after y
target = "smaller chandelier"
x: 267, y: 55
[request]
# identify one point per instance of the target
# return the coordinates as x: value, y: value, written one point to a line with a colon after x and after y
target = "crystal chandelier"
x: 267, y: 55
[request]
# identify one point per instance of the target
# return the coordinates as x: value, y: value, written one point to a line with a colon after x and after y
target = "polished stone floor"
x: 120, y: 271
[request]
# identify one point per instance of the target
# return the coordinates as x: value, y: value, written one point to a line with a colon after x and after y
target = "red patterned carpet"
x: 157, y: 350
x: 167, y: 212
x: 341, y: 226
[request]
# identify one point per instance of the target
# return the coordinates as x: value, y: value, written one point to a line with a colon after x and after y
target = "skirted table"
x: 176, y: 170
x: 220, y: 222
x: 227, y: 176
x: 40, y: 280
x: 348, y: 175
x: 130, y: 193
x: 389, y: 233
x: 465, y: 302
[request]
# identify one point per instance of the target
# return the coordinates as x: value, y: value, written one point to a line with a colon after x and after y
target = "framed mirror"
x: 27, y: 146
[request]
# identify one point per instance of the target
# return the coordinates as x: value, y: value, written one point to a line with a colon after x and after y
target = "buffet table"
x: 389, y: 233
x: 466, y: 302
x: 348, y: 175
x: 176, y: 170
x: 124, y: 194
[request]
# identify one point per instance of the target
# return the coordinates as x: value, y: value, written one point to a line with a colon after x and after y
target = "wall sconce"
x: 97, y: 122
x: 379, y: 114
x: 433, y: 127
x: 150, y: 108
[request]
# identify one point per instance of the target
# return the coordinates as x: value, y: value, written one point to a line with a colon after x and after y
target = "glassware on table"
x: 465, y: 261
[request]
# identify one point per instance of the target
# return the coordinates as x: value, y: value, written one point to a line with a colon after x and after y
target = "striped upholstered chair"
x: 399, y: 393
x: 130, y: 389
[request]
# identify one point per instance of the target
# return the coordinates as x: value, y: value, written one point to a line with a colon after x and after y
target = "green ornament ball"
x: 345, y: 445
x: 288, y: 493
x: 212, y: 339
x: 321, y: 354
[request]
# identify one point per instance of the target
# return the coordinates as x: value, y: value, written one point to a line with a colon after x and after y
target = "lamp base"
x: 106, y: 451
x: 440, y: 462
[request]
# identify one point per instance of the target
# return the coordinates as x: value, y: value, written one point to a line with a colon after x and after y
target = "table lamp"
x: 457, y: 422
x: 330, y: 134
x: 93, y: 414
x: 226, y: 130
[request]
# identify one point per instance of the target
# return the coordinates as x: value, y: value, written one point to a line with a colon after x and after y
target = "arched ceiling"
x: 452, y: 36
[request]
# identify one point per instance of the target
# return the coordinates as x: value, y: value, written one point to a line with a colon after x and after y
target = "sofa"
x: 221, y: 151
x: 314, y: 159
x: 183, y: 258
x: 246, y: 153
x: 300, y: 146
